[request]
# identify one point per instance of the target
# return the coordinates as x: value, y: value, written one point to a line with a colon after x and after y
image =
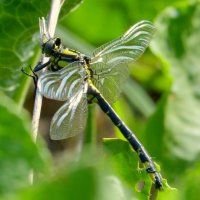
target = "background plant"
x: 160, y: 103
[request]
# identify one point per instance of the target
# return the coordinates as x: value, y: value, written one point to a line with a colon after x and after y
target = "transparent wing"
x: 110, y: 60
x: 129, y: 47
x: 109, y: 79
x: 62, y: 84
x: 71, y: 118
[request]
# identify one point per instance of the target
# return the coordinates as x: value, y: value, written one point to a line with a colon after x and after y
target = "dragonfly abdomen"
x: 134, y: 142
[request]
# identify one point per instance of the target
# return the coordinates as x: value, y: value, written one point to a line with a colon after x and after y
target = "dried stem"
x: 49, y: 30
x: 52, y: 21
x: 53, y: 16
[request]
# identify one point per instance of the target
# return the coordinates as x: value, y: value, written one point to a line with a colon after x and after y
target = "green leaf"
x: 76, y: 185
x: 19, y: 35
x: 18, y: 154
x: 90, y: 137
x: 177, y: 44
x: 139, y: 98
x: 17, y: 39
x: 102, y: 17
x: 86, y: 179
x: 188, y: 186
x: 125, y: 163
x: 126, y: 111
x: 154, y: 132
x: 69, y: 6
x: 190, y: 182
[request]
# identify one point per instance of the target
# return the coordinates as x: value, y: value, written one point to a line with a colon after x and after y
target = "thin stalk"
x: 53, y: 16
x: 90, y: 135
x: 153, y: 193
x: 52, y: 21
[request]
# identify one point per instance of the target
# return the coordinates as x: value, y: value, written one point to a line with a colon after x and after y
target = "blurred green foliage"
x: 160, y: 103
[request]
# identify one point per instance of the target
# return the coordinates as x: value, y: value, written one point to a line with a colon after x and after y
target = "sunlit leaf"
x: 106, y: 19
x: 177, y: 43
x: 18, y: 154
x: 190, y: 183
x: 81, y: 180
x: 188, y: 186
x: 69, y: 6
x: 19, y: 35
x: 125, y: 162
x: 139, y: 98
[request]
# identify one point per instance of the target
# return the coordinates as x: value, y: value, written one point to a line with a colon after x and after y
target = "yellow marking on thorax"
x: 62, y: 63
x: 68, y: 52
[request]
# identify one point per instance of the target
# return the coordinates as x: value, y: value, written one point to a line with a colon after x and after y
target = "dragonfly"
x: 79, y: 80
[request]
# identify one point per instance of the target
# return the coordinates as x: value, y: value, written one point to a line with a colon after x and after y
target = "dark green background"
x: 160, y: 102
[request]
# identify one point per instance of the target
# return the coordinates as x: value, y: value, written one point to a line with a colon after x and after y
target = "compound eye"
x: 48, y: 47
x: 58, y: 42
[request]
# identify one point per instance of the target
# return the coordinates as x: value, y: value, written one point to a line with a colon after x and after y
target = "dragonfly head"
x: 50, y: 46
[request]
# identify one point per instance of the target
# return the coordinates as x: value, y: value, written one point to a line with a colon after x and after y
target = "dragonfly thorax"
x: 66, y: 56
x: 60, y: 57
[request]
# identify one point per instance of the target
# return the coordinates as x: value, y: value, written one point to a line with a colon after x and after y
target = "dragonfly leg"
x: 41, y: 66
x: 34, y: 76
x: 131, y: 138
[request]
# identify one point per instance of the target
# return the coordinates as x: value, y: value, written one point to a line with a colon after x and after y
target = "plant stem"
x: 90, y: 136
x: 53, y: 15
x: 52, y: 21
x: 153, y: 193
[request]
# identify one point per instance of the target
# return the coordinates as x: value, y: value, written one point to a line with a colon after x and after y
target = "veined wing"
x: 110, y: 60
x: 71, y: 118
x: 109, y: 79
x: 62, y: 84
x: 129, y: 47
